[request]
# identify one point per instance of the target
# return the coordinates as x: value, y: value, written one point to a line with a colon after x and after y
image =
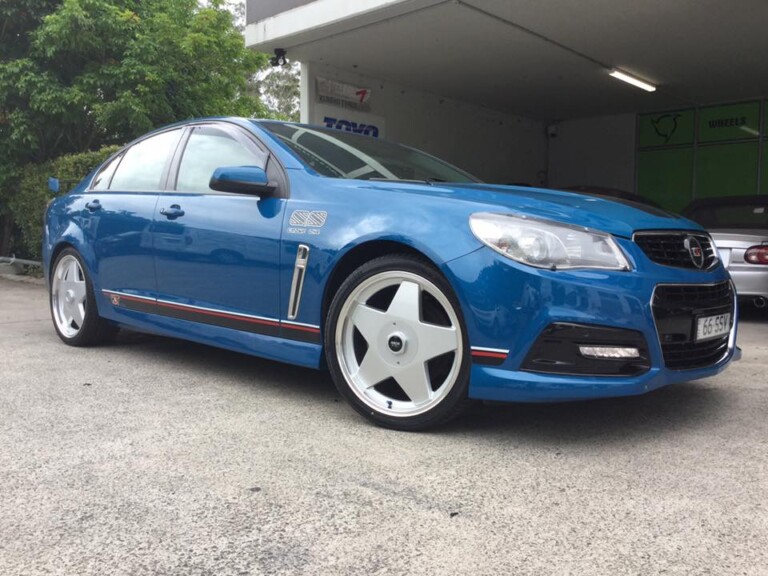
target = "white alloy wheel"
x: 68, y: 296
x: 399, y: 344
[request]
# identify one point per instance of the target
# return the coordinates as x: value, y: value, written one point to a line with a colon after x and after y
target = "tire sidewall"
x: 89, y: 331
x: 456, y: 399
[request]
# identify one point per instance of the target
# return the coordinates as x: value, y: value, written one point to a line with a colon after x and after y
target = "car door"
x: 118, y: 212
x: 217, y: 253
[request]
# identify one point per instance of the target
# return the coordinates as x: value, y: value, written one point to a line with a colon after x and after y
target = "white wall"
x: 493, y: 146
x: 594, y: 151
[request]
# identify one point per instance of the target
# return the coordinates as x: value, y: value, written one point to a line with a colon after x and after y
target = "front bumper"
x: 489, y: 383
x: 507, y: 306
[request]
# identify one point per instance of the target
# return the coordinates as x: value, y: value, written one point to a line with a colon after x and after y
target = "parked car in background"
x: 418, y: 286
x: 739, y: 227
x: 613, y: 194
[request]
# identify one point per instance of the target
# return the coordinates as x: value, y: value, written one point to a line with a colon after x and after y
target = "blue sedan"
x: 418, y: 287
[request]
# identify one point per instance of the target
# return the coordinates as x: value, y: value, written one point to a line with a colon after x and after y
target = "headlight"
x: 546, y: 244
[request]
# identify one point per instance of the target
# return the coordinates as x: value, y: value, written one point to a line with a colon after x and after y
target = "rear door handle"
x: 173, y: 212
x: 93, y: 205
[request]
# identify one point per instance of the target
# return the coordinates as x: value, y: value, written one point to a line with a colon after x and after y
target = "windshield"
x: 339, y: 154
x: 744, y: 216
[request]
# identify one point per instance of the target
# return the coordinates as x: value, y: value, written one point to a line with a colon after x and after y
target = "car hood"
x: 616, y: 216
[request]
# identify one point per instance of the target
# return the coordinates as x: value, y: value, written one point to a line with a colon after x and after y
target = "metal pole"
x: 14, y: 260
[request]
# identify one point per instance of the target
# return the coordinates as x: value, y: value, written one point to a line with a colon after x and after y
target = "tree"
x: 76, y: 75
x: 278, y: 88
x: 17, y: 18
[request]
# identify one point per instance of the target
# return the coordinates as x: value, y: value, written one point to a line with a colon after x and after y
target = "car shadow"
x: 250, y: 371
x: 667, y: 410
x: 642, y: 418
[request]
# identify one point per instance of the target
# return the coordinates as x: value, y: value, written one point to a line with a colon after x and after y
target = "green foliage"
x: 28, y: 206
x: 279, y: 89
x: 76, y: 75
x: 17, y: 19
x: 102, y: 71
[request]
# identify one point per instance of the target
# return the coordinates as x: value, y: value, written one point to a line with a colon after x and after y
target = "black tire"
x: 93, y: 329
x: 453, y: 399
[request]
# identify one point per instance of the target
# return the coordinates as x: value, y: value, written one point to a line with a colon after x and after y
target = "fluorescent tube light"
x: 623, y: 76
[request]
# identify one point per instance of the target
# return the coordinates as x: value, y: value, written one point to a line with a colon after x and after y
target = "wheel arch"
x: 85, y: 252
x: 58, y: 249
x: 357, y: 256
x: 55, y: 252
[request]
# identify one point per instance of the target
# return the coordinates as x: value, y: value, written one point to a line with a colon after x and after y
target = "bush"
x: 27, y: 206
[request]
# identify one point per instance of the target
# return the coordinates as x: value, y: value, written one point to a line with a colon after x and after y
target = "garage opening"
x: 522, y: 93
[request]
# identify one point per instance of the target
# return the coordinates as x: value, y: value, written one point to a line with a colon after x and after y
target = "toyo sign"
x: 351, y: 126
x: 345, y: 120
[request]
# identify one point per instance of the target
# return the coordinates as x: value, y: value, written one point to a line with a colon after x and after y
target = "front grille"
x: 669, y: 249
x: 676, y: 308
x: 692, y: 297
x: 686, y: 356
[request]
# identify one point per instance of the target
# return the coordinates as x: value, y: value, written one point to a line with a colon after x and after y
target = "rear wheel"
x: 396, y: 344
x: 73, y: 306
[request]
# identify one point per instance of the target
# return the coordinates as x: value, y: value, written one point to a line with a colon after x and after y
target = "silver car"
x: 739, y: 227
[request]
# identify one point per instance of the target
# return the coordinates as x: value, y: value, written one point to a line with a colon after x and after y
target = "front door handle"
x: 93, y: 205
x: 173, y: 212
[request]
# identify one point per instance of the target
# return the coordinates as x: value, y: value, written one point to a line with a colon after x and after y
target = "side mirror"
x: 242, y: 180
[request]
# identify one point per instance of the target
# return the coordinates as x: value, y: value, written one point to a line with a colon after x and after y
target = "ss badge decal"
x: 306, y: 221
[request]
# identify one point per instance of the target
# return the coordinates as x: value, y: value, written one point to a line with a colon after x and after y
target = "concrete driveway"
x: 156, y: 456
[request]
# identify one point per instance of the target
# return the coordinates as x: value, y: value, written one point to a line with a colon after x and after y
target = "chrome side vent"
x: 297, y: 284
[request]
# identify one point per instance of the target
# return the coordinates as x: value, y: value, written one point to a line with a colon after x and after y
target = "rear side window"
x: 143, y: 165
x: 210, y: 148
x: 101, y: 182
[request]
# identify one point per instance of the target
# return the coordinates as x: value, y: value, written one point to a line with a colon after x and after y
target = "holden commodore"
x: 419, y: 287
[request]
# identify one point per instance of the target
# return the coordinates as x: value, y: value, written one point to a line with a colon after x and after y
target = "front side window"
x: 343, y: 155
x: 209, y: 148
x: 144, y: 163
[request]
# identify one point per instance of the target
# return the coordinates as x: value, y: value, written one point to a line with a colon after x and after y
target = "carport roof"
x: 541, y: 59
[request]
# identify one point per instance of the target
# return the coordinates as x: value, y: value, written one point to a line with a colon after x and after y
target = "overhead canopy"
x: 543, y: 60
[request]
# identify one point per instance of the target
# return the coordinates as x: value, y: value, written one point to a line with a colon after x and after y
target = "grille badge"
x: 695, y: 250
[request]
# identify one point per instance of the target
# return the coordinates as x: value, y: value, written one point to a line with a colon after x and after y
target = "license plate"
x: 708, y: 327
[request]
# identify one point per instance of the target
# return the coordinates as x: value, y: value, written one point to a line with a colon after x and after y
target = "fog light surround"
x: 588, y: 350
x: 609, y: 352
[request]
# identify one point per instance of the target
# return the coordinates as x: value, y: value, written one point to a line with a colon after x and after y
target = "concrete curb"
x: 24, y: 279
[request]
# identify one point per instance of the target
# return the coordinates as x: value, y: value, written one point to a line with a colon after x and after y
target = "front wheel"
x: 396, y: 344
x: 73, y: 306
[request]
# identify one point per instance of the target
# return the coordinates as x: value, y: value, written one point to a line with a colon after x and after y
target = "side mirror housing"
x: 242, y: 180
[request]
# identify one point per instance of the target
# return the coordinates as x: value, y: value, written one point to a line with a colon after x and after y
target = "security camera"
x: 553, y: 130
x: 279, y: 58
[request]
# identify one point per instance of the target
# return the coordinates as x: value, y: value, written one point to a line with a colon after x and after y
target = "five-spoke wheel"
x: 73, y: 306
x: 68, y: 296
x: 396, y: 345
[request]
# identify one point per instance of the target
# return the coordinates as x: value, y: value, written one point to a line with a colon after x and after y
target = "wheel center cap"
x: 69, y: 296
x: 396, y: 343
